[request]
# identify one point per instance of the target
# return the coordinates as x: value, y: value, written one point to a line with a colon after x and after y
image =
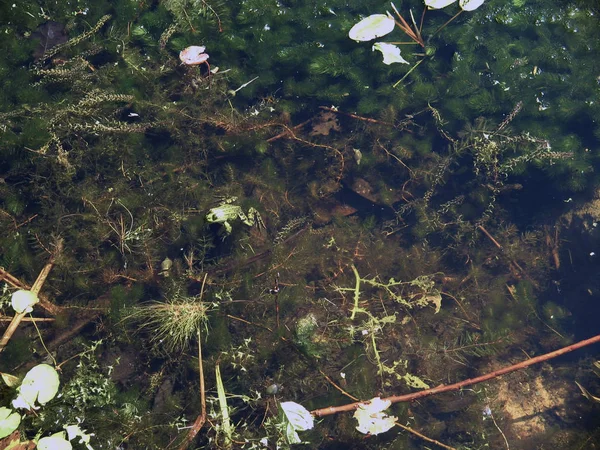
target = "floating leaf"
x: 390, y: 52
x: 55, y: 442
x: 296, y: 418
x: 470, y: 5
x: 9, y: 421
x: 372, y: 419
x: 10, y: 380
x: 372, y: 27
x: 23, y: 300
x: 41, y: 384
x: 438, y: 4
x: 74, y: 431
x: 193, y: 55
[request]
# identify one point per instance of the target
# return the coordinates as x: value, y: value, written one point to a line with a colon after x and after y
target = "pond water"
x: 279, y: 216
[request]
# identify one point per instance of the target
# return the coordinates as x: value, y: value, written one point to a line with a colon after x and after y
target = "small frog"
x: 227, y: 212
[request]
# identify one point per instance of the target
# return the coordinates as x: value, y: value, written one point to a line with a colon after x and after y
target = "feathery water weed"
x: 174, y: 323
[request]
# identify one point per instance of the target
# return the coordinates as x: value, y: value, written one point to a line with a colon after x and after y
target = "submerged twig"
x: 201, y: 419
x: 422, y: 436
x: 35, y: 289
x: 456, y: 386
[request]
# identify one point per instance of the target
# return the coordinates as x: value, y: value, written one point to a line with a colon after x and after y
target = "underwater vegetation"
x: 219, y: 245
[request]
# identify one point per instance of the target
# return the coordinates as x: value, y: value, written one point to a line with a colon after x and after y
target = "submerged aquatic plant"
x: 174, y: 323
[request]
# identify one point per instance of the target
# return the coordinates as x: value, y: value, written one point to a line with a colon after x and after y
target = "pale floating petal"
x: 193, y: 55
x: 390, y: 52
x: 372, y: 27
x: 438, y: 4
x: 372, y: 419
x: 470, y: 5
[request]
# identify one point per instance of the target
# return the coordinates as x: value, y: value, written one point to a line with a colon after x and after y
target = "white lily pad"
x: 390, y: 52
x: 41, y: 384
x: 438, y: 4
x: 470, y: 5
x: 55, y: 442
x: 74, y: 431
x: 372, y: 27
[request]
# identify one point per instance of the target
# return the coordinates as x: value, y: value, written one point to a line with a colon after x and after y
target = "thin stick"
x: 408, y: 73
x: 354, y: 116
x: 500, y: 430
x: 512, y: 261
x: 456, y: 386
x: 444, y: 26
x: 199, y: 422
x: 490, y: 237
x: 337, y: 387
x: 404, y: 26
x: 10, y: 330
x: 285, y: 133
x: 28, y: 319
x: 425, y: 438
x: 12, y: 280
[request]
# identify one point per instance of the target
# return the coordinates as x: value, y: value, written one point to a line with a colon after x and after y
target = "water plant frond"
x: 174, y: 323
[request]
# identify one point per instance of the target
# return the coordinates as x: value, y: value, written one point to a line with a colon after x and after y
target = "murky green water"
x: 326, y: 228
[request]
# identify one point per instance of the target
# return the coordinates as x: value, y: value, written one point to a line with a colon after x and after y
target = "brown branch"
x: 35, y: 289
x: 50, y: 308
x: 27, y: 319
x: 456, y: 386
x: 12, y: 280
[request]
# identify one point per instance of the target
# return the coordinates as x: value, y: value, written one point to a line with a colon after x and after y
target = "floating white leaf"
x: 41, y: 384
x: 296, y: 418
x: 23, y: 300
x: 438, y: 4
x: 372, y: 27
x: 55, y: 442
x: 390, y: 52
x: 372, y: 419
x: 470, y: 5
x: 74, y: 431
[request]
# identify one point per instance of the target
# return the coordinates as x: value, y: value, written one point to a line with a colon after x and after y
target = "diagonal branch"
x: 456, y: 386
